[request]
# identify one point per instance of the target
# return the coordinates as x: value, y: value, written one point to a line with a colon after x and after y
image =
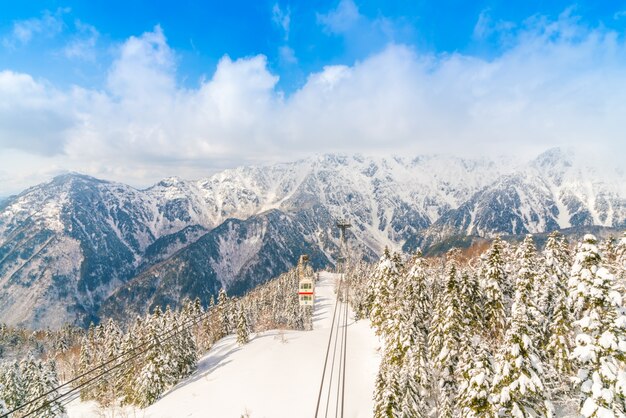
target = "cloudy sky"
x: 136, y: 91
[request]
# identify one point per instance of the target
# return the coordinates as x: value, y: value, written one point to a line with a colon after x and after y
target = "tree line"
x: 514, y: 332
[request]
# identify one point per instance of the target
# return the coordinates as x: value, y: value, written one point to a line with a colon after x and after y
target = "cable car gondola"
x: 306, y: 294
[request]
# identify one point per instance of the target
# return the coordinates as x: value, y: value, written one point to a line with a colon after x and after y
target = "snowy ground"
x: 277, y: 374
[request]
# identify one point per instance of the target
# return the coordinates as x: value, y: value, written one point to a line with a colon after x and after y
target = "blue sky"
x: 202, y: 32
x: 138, y: 90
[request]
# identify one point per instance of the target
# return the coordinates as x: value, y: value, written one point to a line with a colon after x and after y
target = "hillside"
x: 277, y: 374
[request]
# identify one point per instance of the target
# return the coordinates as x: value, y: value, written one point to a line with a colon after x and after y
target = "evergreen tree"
x: 415, y: 289
x: 153, y: 378
x: 384, y: 282
x: 475, y: 386
x: 243, y: 330
x: 518, y: 389
x: 15, y: 393
x: 223, y: 306
x: 386, y: 389
x: 528, y: 275
x: 446, y: 343
x: 471, y: 303
x: 494, y: 285
x: 601, y: 339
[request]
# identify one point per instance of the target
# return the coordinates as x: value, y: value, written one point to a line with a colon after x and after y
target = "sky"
x: 136, y: 91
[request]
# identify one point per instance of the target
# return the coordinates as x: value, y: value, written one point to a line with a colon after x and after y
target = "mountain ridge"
x: 69, y: 245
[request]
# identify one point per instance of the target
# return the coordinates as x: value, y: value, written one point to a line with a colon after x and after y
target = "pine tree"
x: 223, y: 306
x: 601, y: 339
x: 494, y: 285
x: 45, y: 381
x: 471, y: 303
x: 528, y: 275
x: 415, y: 289
x: 185, y: 346
x: 518, y: 389
x: 557, y: 267
x: 153, y: 378
x: 386, y: 389
x: 243, y: 330
x: 445, y: 343
x: 384, y: 282
x: 476, y: 375
x: 15, y: 393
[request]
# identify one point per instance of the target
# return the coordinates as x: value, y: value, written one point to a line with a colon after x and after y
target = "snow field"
x: 277, y: 374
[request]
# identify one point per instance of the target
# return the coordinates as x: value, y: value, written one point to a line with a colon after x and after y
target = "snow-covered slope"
x: 554, y: 191
x: 68, y: 245
x: 277, y: 374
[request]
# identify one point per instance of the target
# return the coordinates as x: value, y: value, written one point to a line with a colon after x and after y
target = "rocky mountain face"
x: 77, y: 249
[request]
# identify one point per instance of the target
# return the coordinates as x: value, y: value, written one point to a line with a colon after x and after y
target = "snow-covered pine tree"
x: 14, y: 393
x: 128, y: 375
x: 557, y: 261
x: 471, y: 303
x: 518, y: 388
x: 559, y: 347
x: 476, y: 375
x: 185, y: 348
x: 243, y: 330
x: 601, y: 339
x: 384, y: 282
x: 529, y: 274
x: 387, y: 401
x: 45, y: 380
x: 223, y: 306
x: 86, y: 361
x: 414, y: 383
x: 445, y: 343
x: 494, y: 284
x: 415, y: 288
x: 106, y: 391
x: 153, y: 378
x: 553, y: 302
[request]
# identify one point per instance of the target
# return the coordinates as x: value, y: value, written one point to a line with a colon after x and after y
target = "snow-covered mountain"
x: 551, y: 192
x: 77, y: 246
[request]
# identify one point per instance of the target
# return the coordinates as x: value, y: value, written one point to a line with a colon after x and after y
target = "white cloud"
x: 282, y: 18
x: 83, y: 44
x: 287, y: 55
x: 23, y: 31
x: 341, y: 19
x: 558, y: 84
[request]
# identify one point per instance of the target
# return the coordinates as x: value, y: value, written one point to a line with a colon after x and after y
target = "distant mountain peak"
x: 557, y: 157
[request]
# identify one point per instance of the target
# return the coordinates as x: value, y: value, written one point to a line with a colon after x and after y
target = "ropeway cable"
x: 330, y: 336
x: 345, y: 347
x: 156, y: 340
x: 332, y: 365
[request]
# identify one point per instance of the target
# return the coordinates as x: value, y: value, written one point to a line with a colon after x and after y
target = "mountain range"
x: 78, y: 249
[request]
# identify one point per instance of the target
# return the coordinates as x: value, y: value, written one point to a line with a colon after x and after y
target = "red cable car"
x: 306, y: 294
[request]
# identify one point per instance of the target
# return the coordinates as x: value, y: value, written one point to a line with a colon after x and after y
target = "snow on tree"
x: 384, y: 282
x: 386, y: 390
x: 14, y: 393
x: 494, y: 285
x: 44, y: 380
x: 243, y: 331
x: 28, y: 380
x: 528, y: 275
x: 445, y: 343
x: 475, y: 386
x: 557, y: 263
x: 415, y: 288
x: 153, y: 378
x: 471, y: 302
x: 601, y: 339
x: 518, y: 388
